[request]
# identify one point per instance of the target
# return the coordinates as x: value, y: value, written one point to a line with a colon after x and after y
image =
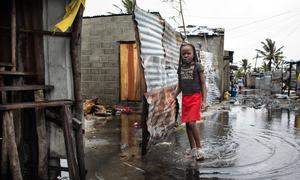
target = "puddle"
x: 244, y: 143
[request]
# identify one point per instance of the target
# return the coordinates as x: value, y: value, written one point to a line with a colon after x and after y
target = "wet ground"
x: 240, y: 143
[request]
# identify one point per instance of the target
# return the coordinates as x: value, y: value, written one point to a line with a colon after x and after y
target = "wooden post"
x: 42, y: 138
x: 4, y: 156
x: 75, y: 47
x: 67, y: 128
x: 13, y: 34
x: 14, y: 161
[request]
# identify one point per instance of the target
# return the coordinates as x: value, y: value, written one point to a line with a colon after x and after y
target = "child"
x: 191, y: 82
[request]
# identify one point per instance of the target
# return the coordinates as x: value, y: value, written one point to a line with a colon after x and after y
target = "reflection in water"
x: 129, y: 136
x: 297, y: 121
x: 244, y: 143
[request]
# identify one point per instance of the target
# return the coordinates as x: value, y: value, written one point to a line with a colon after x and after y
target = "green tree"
x: 270, y: 54
x: 127, y: 5
x: 245, y: 66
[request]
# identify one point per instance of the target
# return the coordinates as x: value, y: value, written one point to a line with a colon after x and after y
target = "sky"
x: 246, y: 22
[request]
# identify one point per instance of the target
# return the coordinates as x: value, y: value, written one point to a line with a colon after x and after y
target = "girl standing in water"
x: 191, y: 82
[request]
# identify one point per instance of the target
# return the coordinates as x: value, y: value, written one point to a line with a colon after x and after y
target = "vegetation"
x: 127, y: 7
x: 270, y: 54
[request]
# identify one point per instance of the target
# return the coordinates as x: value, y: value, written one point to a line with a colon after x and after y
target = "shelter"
x: 41, y: 109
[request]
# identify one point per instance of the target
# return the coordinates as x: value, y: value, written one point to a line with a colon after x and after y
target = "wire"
x: 260, y: 20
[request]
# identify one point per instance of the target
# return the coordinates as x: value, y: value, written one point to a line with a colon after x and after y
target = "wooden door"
x: 130, y: 73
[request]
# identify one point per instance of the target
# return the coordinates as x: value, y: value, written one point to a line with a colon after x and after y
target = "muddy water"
x: 244, y: 143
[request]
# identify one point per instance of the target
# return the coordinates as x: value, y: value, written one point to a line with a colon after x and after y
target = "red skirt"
x: 191, y: 106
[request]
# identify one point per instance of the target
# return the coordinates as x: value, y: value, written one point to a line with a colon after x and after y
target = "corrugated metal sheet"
x: 159, y: 45
x: 58, y: 66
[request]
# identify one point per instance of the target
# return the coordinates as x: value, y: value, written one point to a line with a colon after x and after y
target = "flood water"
x: 244, y: 143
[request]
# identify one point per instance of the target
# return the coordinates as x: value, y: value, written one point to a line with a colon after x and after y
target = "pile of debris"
x: 94, y: 107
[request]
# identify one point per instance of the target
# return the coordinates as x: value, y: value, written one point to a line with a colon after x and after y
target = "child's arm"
x: 177, y: 91
x: 203, y: 90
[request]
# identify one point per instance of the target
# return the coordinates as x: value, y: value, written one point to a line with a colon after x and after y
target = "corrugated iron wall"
x: 159, y: 53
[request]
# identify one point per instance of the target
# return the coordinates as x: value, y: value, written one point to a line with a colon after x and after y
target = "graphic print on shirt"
x: 187, y: 73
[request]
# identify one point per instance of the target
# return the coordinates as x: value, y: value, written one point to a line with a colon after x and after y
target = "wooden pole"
x: 13, y: 34
x: 42, y: 137
x: 182, y: 18
x: 67, y: 129
x: 4, y: 155
x: 75, y: 48
x: 13, y: 155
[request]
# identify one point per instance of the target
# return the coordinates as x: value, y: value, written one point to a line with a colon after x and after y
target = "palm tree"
x: 127, y: 5
x: 246, y: 66
x: 270, y: 53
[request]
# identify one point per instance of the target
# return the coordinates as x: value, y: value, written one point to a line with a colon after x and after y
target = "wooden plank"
x: 67, y: 129
x: 13, y: 35
x: 6, y: 64
x: 4, y: 154
x: 13, y: 155
x: 41, y: 104
x: 42, y: 138
x: 124, y: 72
x: 75, y: 58
x: 15, y: 73
x: 26, y: 88
x: 37, y: 31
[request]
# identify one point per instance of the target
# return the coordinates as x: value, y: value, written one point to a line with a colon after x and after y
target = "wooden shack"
x: 40, y: 89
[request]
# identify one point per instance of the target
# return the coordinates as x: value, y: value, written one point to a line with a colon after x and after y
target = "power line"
x: 260, y: 20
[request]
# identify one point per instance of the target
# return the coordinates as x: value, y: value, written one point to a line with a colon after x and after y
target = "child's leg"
x: 190, y: 135
x: 195, y: 134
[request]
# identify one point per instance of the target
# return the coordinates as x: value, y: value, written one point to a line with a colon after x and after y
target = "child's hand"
x: 203, y: 106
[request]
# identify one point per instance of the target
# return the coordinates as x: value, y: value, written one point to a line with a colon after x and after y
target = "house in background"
x: 134, y: 58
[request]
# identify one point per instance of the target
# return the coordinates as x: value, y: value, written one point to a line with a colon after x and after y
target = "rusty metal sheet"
x: 159, y: 45
x: 161, y: 115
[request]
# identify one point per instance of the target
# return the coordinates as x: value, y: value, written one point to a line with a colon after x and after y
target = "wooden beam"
x: 15, y: 73
x: 25, y: 88
x: 12, y: 146
x: 67, y: 124
x: 42, y: 138
x: 4, y: 155
x: 13, y: 34
x: 75, y: 58
x: 6, y: 64
x: 28, y: 105
x: 42, y: 32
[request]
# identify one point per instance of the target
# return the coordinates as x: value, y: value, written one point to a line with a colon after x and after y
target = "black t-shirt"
x: 189, y: 78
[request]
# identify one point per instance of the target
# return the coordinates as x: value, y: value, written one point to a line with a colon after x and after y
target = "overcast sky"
x: 246, y: 22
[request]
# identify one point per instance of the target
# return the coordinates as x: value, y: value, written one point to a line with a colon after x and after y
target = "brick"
x: 108, y: 51
x: 85, y: 58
